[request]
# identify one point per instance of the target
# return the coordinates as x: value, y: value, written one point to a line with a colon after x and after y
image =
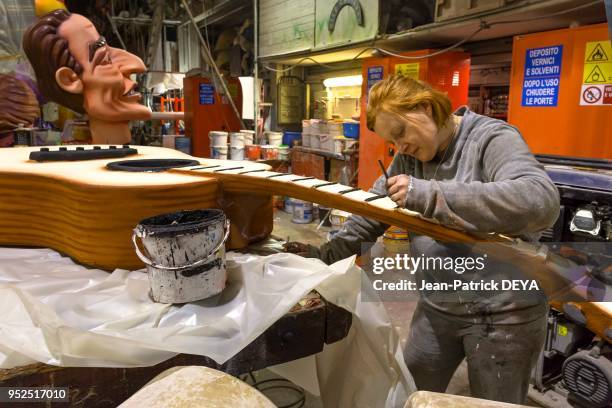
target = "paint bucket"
x: 237, y: 153
x: 219, y: 152
x: 249, y: 136
x: 289, y: 205
x: 292, y: 138
x: 217, y: 138
x: 326, y: 142
x: 302, y: 212
x: 183, y: 144
x: 269, y: 152
x: 184, y: 253
x: 283, y: 153
x: 274, y: 138
x: 337, y: 218
x: 306, y: 139
x: 396, y: 241
x: 315, y: 141
x: 253, y: 152
x: 351, y: 129
x: 236, y: 139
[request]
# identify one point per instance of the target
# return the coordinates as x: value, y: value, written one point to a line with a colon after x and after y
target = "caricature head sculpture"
x: 75, y: 67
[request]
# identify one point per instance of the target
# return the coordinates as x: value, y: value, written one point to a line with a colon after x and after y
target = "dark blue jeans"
x: 500, y: 357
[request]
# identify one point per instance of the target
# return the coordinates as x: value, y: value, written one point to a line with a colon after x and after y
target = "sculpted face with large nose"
x: 86, y: 71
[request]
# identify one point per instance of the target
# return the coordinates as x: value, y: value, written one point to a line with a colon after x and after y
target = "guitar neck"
x: 239, y: 179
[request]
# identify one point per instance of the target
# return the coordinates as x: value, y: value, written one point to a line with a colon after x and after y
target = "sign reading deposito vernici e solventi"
x: 542, y: 76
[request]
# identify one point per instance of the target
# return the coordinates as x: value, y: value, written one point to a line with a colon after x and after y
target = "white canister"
x: 326, y: 142
x: 315, y: 141
x: 283, y: 153
x: 339, y: 144
x: 335, y: 128
x: 289, y: 205
x: 302, y: 212
x: 338, y: 218
x: 237, y: 153
x: 274, y: 138
x: 217, y: 138
x: 237, y: 139
x: 219, y: 152
x: 306, y: 139
x: 249, y: 136
x: 306, y: 126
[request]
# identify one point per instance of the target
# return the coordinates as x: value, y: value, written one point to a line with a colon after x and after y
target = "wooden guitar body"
x: 86, y: 211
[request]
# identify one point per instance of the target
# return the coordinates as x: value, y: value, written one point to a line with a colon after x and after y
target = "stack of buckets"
x: 333, y: 136
x: 219, y: 146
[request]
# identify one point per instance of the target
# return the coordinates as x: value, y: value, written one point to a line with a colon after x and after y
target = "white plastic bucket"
x: 315, y: 141
x: 302, y: 212
x: 249, y: 136
x: 274, y: 138
x: 237, y: 139
x: 326, y: 142
x: 283, y: 153
x: 237, y: 153
x: 306, y: 139
x: 217, y: 138
x: 219, y: 152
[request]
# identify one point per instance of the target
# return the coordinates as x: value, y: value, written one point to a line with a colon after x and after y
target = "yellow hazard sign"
x: 597, y: 63
x: 410, y: 70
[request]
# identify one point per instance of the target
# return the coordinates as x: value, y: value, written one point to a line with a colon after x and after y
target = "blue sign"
x: 207, y: 94
x: 542, y: 76
x: 375, y: 74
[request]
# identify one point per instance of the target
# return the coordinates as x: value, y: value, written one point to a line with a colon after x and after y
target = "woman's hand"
x: 398, y: 188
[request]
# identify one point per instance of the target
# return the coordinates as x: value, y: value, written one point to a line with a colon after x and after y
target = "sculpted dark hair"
x: 48, y: 52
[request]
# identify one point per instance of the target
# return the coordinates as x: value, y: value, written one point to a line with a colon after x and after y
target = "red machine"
x: 561, y: 91
x: 448, y: 72
x: 206, y: 110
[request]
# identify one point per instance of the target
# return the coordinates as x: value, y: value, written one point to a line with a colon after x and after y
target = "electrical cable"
x: 484, y: 25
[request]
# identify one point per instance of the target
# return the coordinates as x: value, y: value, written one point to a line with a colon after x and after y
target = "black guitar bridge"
x: 80, y: 153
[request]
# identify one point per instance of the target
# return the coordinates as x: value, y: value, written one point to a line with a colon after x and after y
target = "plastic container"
x: 269, y: 152
x: 291, y: 138
x: 237, y: 139
x: 351, y: 129
x: 219, y: 152
x: 253, y: 152
x: 315, y: 141
x: 249, y: 136
x: 284, y: 152
x: 184, y: 253
x: 326, y: 142
x: 289, y: 205
x: 237, y: 153
x: 183, y: 144
x: 306, y: 126
x: 218, y: 138
x: 302, y: 212
x: 335, y: 128
x: 337, y: 218
x: 306, y: 139
x: 274, y: 138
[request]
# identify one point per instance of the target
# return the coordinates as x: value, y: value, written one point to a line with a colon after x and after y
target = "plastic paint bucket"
x: 237, y: 153
x: 337, y: 218
x: 326, y: 142
x: 274, y: 138
x: 236, y: 139
x: 291, y: 138
x: 302, y: 212
x: 306, y: 139
x: 184, y: 253
x: 269, y: 152
x: 289, y: 205
x: 249, y: 136
x: 351, y: 129
x: 283, y: 153
x: 253, y: 152
x: 183, y: 144
x: 219, y: 152
x: 217, y: 138
x: 315, y: 141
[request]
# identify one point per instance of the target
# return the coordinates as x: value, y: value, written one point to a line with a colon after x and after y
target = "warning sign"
x: 409, y: 70
x: 597, y: 74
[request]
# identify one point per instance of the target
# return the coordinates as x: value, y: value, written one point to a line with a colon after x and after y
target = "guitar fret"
x: 378, y: 197
x: 279, y: 175
x: 303, y: 178
x: 325, y: 184
x: 206, y: 167
x: 228, y: 169
x: 350, y: 190
x: 252, y: 171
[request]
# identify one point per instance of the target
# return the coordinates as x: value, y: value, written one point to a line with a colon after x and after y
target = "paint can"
x: 302, y: 212
x: 315, y: 140
x: 183, y: 144
x: 249, y: 136
x: 217, y: 138
x: 283, y: 153
x: 253, y: 152
x: 337, y: 218
x: 237, y: 153
x: 184, y: 253
x: 219, y: 152
x: 236, y: 139
x: 289, y: 205
x: 274, y: 138
x: 269, y: 152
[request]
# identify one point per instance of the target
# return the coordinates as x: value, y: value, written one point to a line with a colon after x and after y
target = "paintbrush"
x: 382, y: 167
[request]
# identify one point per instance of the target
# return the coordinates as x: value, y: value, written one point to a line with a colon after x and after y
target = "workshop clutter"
x: 243, y: 145
x: 332, y: 136
x: 184, y: 253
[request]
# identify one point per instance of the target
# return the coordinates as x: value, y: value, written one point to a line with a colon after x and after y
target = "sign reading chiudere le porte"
x: 542, y: 76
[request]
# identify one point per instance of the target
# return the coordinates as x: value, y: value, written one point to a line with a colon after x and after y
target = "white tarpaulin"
x: 59, y: 313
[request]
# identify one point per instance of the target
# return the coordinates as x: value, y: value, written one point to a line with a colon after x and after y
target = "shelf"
x: 345, y: 156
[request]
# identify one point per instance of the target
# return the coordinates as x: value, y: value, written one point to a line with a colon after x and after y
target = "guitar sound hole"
x: 150, y: 165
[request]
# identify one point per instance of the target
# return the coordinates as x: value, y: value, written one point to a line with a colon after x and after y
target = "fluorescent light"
x: 352, y: 80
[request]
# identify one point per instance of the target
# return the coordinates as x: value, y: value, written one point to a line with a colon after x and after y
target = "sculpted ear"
x: 68, y: 80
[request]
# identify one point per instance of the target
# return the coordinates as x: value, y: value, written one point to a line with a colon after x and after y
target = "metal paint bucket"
x: 184, y: 253
x: 302, y: 212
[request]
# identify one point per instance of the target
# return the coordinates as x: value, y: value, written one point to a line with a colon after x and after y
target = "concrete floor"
x: 399, y: 312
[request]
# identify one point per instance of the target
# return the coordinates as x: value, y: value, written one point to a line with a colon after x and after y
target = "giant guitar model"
x: 86, y: 207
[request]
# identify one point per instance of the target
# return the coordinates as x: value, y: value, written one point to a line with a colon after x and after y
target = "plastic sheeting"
x: 56, y: 312
x: 15, y: 17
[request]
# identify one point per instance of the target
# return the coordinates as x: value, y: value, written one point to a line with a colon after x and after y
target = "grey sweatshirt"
x: 488, y: 182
